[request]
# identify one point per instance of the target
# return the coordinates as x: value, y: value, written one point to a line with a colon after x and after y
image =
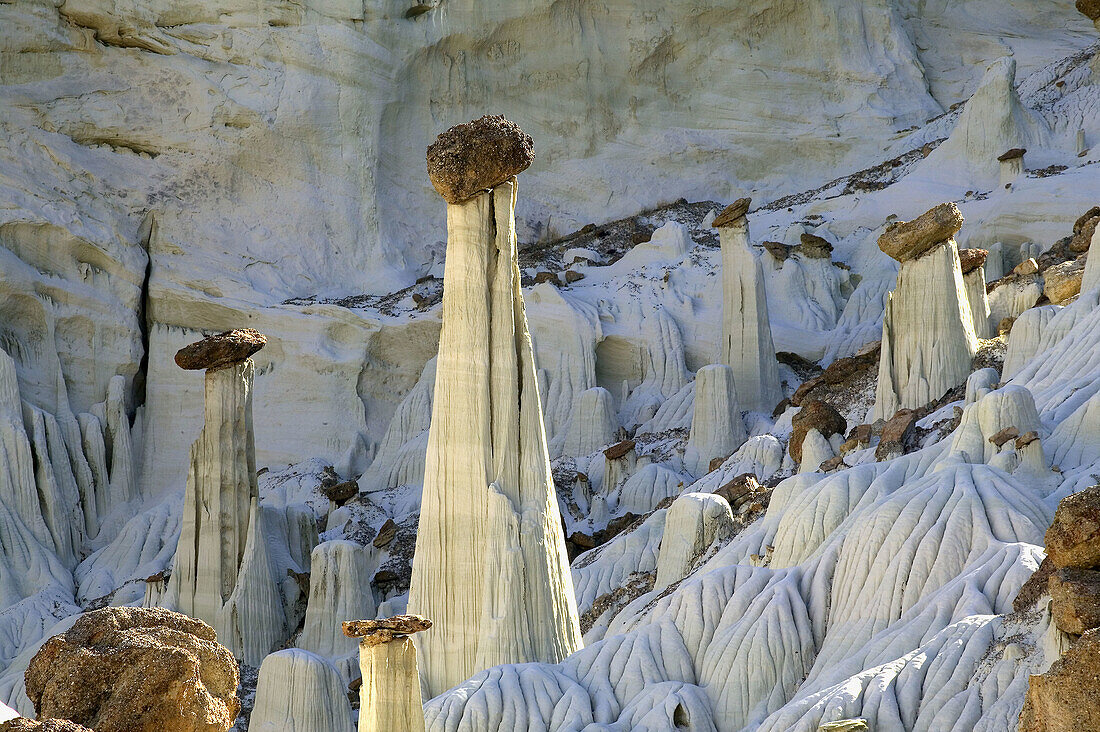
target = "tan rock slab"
x: 732, y: 212
x: 905, y: 240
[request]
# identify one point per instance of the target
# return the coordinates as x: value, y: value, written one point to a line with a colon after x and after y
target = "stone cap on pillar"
x: 1016, y: 152
x: 221, y: 350
x: 476, y: 156
x: 905, y: 240
x: 732, y: 212
x: 971, y: 259
x: 377, y: 632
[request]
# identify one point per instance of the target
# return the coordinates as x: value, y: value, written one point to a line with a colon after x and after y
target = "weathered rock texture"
x: 46, y: 725
x: 1073, y: 539
x: 906, y: 240
x: 221, y: 350
x: 136, y: 670
x: 716, y: 425
x: 298, y: 691
x: 746, y: 344
x: 1067, y: 697
x: 928, y: 339
x: 490, y: 566
x: 221, y: 486
x: 476, y: 156
x: 1063, y: 281
x: 1075, y: 599
x: 694, y: 522
x: 339, y: 589
x: 814, y: 415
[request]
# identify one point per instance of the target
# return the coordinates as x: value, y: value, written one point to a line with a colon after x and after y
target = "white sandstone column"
x: 389, y: 698
x: 928, y: 339
x: 221, y: 481
x: 488, y: 497
x: 746, y: 344
x: 339, y: 590
x: 717, y: 429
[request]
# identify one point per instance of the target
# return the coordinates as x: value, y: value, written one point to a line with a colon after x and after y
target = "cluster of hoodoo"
x: 928, y: 338
x: 490, y: 566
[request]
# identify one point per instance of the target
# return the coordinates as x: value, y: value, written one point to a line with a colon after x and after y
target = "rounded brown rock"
x: 221, y: 350
x: 123, y: 669
x: 1016, y: 152
x: 815, y: 247
x: 905, y: 240
x: 971, y: 259
x: 814, y: 415
x: 476, y: 156
x: 732, y: 212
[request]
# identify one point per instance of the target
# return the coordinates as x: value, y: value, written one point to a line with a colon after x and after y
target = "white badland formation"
x: 490, y: 568
x: 171, y: 170
x: 928, y: 339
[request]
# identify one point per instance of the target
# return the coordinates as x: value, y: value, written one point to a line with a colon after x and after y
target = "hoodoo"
x: 928, y: 339
x: 490, y: 566
x: 746, y: 344
x: 716, y: 426
x: 221, y: 482
x: 389, y: 698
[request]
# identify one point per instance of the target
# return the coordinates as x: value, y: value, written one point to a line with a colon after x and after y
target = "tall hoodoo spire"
x: 490, y: 566
x: 928, y: 339
x: 746, y: 344
x: 221, y: 483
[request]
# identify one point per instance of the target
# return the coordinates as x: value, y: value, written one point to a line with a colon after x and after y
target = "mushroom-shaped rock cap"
x: 815, y: 247
x: 472, y: 157
x: 905, y: 240
x: 1091, y: 8
x: 971, y: 259
x: 377, y: 632
x: 1016, y: 152
x: 732, y: 212
x: 221, y: 350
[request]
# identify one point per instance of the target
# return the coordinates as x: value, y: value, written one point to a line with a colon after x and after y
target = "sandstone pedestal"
x: 389, y: 698
x: 490, y: 566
